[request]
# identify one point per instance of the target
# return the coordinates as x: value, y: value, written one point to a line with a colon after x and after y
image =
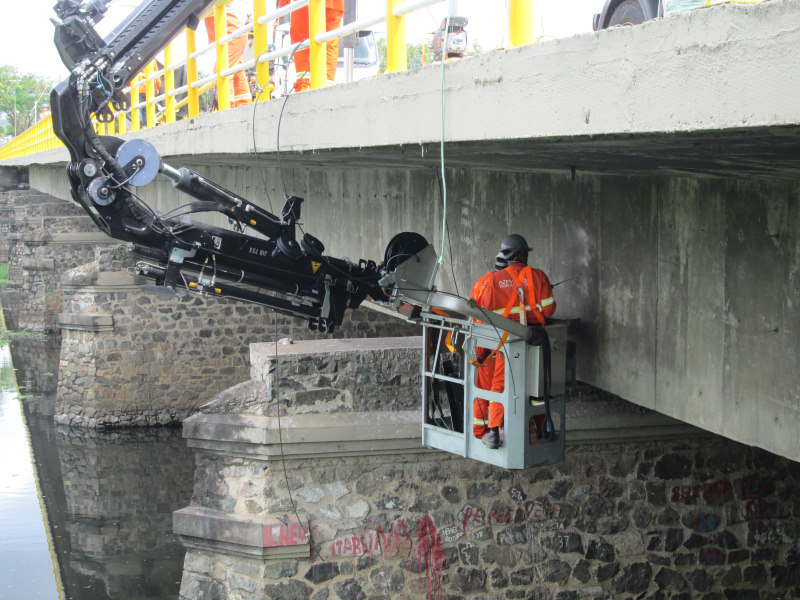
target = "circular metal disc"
x: 139, y: 150
x: 99, y: 191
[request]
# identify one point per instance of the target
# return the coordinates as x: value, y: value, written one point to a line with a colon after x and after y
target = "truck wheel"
x: 629, y: 12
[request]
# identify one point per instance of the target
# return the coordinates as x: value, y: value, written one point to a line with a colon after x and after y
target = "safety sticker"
x: 315, y: 266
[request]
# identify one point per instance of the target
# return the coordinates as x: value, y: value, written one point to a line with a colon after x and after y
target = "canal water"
x: 84, y: 515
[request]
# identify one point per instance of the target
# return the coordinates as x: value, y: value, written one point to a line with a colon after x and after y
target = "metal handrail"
x: 163, y: 106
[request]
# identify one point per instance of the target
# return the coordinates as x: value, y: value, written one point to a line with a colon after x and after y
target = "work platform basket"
x: 456, y: 334
x: 450, y: 390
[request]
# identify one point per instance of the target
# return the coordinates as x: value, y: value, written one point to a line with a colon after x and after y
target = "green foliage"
x: 21, y: 98
x: 476, y: 49
x: 3, y: 274
x: 380, y: 44
x: 415, y: 54
x: 6, y: 336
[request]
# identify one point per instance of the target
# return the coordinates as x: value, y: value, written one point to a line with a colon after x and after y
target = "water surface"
x: 84, y: 514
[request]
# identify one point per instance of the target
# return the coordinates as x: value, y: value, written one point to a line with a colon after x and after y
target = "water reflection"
x: 27, y: 562
x: 107, y: 497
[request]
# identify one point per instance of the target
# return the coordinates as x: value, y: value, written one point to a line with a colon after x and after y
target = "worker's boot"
x: 492, y: 439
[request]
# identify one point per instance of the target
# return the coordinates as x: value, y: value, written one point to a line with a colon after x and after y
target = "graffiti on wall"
x: 291, y: 534
x: 759, y: 512
x: 533, y: 510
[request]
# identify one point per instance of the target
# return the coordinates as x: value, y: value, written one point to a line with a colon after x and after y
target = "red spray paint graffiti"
x: 285, y: 535
x: 431, y: 554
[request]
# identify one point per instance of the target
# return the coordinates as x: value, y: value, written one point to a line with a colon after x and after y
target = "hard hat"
x: 514, y: 247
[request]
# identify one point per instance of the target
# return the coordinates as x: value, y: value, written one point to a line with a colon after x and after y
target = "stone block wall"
x: 35, y: 267
x: 6, y: 217
x: 288, y: 506
x: 709, y: 519
x: 330, y: 376
x: 129, y: 358
x: 43, y: 237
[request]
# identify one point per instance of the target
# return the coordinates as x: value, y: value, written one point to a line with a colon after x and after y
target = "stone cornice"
x: 255, y: 537
x: 82, y: 237
x: 103, y: 282
x: 38, y: 264
x: 307, y: 435
x: 85, y: 322
x: 63, y: 239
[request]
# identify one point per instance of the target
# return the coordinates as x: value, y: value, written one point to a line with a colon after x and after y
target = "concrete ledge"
x: 215, y: 531
x: 400, y: 433
x: 103, y: 282
x: 85, y: 322
x: 329, y: 347
x: 306, y: 436
x: 82, y: 237
x: 655, y: 427
x: 38, y: 264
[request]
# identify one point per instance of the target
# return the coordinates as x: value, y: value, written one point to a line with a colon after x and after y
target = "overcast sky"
x: 27, y: 40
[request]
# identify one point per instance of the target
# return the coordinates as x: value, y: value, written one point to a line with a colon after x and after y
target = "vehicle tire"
x: 632, y: 12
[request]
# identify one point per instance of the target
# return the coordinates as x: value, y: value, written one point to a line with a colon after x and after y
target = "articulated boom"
x: 186, y: 256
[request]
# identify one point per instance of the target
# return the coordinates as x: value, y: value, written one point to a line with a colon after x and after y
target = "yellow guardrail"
x: 38, y: 138
x: 167, y: 104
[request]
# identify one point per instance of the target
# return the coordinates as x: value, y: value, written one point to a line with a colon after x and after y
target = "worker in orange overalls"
x: 235, y: 14
x: 298, y: 31
x: 518, y: 292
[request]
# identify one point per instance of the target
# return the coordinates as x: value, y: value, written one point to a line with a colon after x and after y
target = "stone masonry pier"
x: 311, y: 483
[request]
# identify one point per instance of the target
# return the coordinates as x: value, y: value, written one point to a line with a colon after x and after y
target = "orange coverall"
x: 495, y: 292
x: 241, y: 89
x: 298, y: 31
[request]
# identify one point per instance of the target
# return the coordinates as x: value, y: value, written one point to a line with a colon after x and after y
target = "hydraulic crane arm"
x: 185, y: 255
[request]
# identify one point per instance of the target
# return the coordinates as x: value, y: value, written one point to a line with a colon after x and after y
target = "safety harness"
x: 522, y: 309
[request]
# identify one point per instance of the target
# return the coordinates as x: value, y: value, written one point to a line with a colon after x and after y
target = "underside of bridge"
x: 654, y: 169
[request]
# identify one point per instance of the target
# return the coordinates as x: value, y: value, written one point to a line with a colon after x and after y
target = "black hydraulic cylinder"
x: 228, y: 203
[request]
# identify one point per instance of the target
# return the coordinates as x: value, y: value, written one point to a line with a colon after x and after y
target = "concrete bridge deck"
x: 657, y: 164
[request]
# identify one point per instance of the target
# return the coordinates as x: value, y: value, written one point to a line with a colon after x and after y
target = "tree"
x: 21, y: 98
x: 415, y: 54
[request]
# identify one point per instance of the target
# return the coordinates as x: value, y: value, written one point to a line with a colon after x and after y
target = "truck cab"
x: 626, y: 12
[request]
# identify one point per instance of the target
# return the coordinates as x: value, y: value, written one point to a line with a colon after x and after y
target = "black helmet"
x: 514, y: 248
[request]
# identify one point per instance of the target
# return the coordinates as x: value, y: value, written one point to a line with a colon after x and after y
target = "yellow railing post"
x: 191, y: 74
x: 169, y: 85
x: 122, y: 122
x: 220, y: 31
x: 135, y: 113
x: 396, y: 53
x: 520, y: 22
x: 316, y: 51
x: 149, y: 94
x: 260, y: 44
